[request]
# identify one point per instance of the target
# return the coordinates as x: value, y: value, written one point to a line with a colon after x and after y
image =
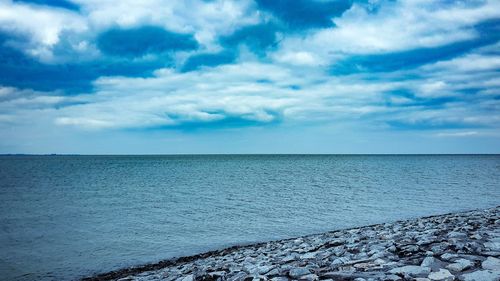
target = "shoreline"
x: 452, y: 246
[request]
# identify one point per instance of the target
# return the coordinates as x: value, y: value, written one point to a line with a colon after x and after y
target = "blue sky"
x: 249, y: 76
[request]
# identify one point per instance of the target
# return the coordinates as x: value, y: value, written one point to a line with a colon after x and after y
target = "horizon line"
x: 249, y: 154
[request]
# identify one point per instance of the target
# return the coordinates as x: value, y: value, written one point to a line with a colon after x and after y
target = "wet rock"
x: 280, y: 278
x: 189, y: 277
x: 460, y: 265
x: 491, y: 263
x: 298, y: 272
x: 309, y: 277
x: 240, y: 276
x: 392, y: 277
x: 441, y: 275
x: 455, y: 234
x: 430, y: 262
x: 411, y: 270
x: 265, y: 269
x: 481, y: 275
x: 273, y: 272
x: 492, y: 245
x: 448, y: 256
x: 440, y: 248
x: 339, y: 261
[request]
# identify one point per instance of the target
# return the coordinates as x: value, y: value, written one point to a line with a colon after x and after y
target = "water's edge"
x: 135, y: 270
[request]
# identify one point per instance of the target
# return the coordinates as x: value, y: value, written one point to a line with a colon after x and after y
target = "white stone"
x: 491, y: 263
x: 298, y: 272
x: 412, y: 270
x: 460, y: 265
x: 448, y: 256
x: 190, y: 277
x: 492, y: 245
x: 482, y: 275
x: 307, y: 256
x: 429, y: 262
x: 441, y: 275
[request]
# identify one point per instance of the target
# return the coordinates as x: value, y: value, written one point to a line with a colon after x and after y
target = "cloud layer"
x: 194, y: 66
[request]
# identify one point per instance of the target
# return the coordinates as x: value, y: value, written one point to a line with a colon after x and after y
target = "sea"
x: 68, y: 217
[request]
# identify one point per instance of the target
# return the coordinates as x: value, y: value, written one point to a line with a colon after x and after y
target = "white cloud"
x: 396, y: 26
x: 298, y: 58
x: 43, y: 26
x: 458, y: 134
x: 40, y: 26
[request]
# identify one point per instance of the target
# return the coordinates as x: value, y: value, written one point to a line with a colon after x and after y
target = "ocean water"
x: 65, y: 217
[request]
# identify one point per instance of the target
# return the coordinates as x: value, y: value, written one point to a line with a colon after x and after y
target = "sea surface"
x: 65, y: 217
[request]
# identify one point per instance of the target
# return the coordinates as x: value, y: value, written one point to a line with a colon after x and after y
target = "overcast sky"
x: 249, y: 76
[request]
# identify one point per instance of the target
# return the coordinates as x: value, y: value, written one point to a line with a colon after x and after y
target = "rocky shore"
x: 460, y: 246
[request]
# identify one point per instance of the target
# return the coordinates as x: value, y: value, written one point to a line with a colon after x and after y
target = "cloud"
x: 143, y: 40
x: 409, y: 58
x: 22, y: 71
x: 207, y: 59
x: 397, y: 27
x: 458, y: 134
x: 53, y: 3
x: 258, y: 37
x: 38, y: 28
x: 300, y: 14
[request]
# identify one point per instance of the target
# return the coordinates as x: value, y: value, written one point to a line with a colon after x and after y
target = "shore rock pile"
x: 462, y: 246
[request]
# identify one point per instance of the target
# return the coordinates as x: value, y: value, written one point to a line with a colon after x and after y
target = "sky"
x: 249, y: 76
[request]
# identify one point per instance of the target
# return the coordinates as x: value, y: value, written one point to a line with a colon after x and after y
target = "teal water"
x: 64, y: 217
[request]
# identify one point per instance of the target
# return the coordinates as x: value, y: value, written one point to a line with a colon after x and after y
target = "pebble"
x: 491, y: 263
x: 460, y: 265
x: 412, y: 270
x: 441, y: 275
x: 482, y: 275
x: 298, y: 272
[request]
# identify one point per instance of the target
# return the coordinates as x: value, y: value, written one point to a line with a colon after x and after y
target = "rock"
x: 350, y: 275
x: 217, y: 274
x: 240, y: 276
x: 492, y: 245
x: 409, y: 250
x: 460, y: 265
x: 298, y: 272
x: 430, y: 262
x: 476, y: 236
x: 339, y: 261
x: 290, y: 258
x: 481, y: 275
x: 265, y: 269
x: 190, y: 277
x: 362, y: 265
x: 441, y: 275
x: 273, y: 272
x: 307, y: 256
x: 422, y: 279
x: 309, y: 277
x: 440, y: 248
x: 491, y: 263
x: 411, y: 270
x: 280, y: 278
x: 455, y: 234
x: 448, y: 256
x: 392, y: 277
x: 492, y: 253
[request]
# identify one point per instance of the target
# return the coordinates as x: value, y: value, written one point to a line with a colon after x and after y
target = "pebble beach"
x: 458, y: 246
